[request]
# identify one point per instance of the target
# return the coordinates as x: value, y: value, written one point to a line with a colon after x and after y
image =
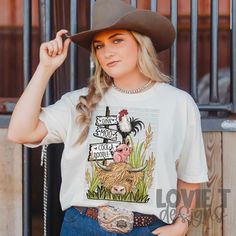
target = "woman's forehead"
x: 108, y: 33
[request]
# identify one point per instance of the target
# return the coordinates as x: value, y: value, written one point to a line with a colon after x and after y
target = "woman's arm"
x: 25, y: 126
x: 186, y: 203
x: 184, y: 208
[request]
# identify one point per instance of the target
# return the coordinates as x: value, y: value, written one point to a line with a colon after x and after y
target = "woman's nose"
x: 108, y: 52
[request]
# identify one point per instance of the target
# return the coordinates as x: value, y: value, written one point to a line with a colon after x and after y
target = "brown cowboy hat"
x: 116, y: 14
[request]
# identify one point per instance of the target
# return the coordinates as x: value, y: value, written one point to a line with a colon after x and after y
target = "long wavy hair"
x: 100, y: 82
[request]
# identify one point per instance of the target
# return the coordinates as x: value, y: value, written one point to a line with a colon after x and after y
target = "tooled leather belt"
x: 140, y: 220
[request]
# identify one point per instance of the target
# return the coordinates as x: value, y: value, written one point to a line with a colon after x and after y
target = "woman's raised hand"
x: 53, y: 53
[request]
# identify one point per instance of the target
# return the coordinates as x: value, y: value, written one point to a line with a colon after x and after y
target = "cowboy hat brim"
x: 157, y: 27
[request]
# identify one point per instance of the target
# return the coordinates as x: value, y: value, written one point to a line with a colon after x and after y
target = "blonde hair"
x: 100, y: 82
x: 148, y: 62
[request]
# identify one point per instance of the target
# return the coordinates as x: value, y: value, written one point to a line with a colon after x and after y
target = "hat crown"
x: 116, y: 14
x: 107, y: 12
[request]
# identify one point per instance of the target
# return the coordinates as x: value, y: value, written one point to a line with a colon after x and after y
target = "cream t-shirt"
x: 138, y: 146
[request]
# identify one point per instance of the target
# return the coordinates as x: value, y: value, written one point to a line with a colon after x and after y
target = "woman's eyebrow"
x: 112, y: 36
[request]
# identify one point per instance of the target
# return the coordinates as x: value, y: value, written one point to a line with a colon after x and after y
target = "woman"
x: 131, y: 139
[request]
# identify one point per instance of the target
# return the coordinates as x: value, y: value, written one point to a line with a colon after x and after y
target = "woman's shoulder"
x: 73, y: 96
x: 176, y: 93
x: 178, y: 97
x: 181, y: 99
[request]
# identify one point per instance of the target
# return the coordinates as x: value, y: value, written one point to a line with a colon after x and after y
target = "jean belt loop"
x: 84, y: 210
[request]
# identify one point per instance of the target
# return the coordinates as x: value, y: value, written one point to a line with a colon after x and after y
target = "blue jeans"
x: 77, y: 224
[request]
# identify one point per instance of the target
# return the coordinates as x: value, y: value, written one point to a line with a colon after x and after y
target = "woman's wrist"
x: 182, y: 221
x: 181, y: 225
x: 184, y: 217
x: 45, y: 71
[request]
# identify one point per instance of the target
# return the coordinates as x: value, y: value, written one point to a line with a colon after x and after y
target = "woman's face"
x: 117, y: 52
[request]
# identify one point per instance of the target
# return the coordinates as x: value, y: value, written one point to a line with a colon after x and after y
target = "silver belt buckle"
x: 115, y: 219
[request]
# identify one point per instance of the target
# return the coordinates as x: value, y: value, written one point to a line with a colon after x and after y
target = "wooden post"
x: 205, y: 221
x: 10, y: 186
x: 229, y: 182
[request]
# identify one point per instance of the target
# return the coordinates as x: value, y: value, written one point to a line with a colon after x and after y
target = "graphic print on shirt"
x: 120, y: 163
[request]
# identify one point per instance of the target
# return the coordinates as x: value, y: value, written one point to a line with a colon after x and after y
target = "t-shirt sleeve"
x: 55, y: 117
x: 192, y: 165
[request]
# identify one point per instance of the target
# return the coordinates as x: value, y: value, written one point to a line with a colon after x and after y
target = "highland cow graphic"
x: 120, y: 167
x: 119, y: 178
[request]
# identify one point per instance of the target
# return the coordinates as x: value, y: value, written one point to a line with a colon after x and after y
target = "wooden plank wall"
x: 10, y: 187
x: 218, y: 216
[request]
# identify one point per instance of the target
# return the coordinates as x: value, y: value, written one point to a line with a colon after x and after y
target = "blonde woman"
x: 133, y: 143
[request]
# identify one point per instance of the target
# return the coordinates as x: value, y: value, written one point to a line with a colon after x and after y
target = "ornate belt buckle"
x: 115, y: 219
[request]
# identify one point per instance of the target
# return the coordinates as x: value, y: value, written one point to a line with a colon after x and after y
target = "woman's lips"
x: 113, y: 63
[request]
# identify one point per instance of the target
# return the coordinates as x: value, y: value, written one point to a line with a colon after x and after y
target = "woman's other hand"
x: 179, y: 228
x: 53, y: 53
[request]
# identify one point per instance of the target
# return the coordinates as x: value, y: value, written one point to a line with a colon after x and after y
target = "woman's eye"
x: 98, y: 47
x: 117, y: 40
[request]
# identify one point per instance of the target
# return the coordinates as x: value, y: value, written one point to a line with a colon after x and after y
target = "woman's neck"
x: 131, y: 81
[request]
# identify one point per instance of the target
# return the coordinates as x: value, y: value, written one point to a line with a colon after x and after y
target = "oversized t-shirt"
x: 137, y: 147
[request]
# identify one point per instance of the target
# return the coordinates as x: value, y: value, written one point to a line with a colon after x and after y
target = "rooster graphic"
x: 127, y: 125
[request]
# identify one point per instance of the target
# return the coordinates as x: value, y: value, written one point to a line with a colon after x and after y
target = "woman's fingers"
x: 157, y: 231
x: 55, y: 48
x: 66, y: 46
x: 61, y: 32
x: 54, y: 52
x: 59, y: 39
x: 59, y: 44
x: 49, y: 47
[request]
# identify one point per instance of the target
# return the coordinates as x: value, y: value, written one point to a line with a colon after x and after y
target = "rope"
x: 45, y: 187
